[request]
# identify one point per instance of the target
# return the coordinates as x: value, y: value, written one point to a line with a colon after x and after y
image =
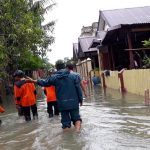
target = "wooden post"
x: 120, y: 76
x: 99, y: 59
x: 112, y: 58
x: 130, y: 52
x: 89, y: 69
x: 103, y: 80
x: 146, y: 95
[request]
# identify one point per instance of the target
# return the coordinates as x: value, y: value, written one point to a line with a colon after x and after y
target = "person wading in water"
x: 68, y: 93
x: 25, y: 95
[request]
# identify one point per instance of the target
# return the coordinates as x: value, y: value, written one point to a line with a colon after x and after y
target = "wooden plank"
x: 136, y: 49
x: 130, y: 52
x: 140, y: 29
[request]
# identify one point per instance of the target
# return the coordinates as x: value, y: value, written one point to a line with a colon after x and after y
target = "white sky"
x: 71, y: 15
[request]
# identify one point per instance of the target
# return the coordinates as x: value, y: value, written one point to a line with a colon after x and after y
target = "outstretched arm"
x: 41, y: 82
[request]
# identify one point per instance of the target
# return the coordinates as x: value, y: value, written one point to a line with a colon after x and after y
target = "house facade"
x: 81, y: 49
x: 121, y: 32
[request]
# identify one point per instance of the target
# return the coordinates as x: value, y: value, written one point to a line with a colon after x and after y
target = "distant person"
x: 68, y: 93
x: 95, y: 80
x: 52, y: 107
x: 25, y: 95
x: 70, y: 67
x: 2, y: 110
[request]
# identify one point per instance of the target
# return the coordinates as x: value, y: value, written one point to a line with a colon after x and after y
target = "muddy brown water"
x: 111, y: 121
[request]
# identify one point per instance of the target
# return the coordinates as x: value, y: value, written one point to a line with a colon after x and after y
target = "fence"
x: 134, y: 81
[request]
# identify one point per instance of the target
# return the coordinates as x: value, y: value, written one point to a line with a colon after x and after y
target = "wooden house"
x: 119, y: 37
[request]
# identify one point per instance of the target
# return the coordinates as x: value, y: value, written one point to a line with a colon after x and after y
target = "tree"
x: 21, y: 34
x: 41, y: 7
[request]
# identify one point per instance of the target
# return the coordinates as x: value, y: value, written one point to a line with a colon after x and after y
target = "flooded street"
x: 111, y: 121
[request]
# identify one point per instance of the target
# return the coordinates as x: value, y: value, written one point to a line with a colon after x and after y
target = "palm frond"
x: 49, y: 26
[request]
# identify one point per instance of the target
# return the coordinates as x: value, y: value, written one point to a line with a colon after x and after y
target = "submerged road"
x: 111, y: 121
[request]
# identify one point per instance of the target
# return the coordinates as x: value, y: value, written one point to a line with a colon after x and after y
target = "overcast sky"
x: 71, y: 15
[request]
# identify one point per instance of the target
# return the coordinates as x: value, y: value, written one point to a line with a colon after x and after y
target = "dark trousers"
x: 27, y: 114
x: 68, y: 116
x: 50, y: 110
x: 20, y: 111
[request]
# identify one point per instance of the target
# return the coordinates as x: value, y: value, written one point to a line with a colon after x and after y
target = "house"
x: 119, y: 37
x: 81, y: 49
x: 118, y: 45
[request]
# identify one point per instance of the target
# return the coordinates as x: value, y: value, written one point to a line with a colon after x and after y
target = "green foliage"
x: 33, y: 62
x: 146, y: 43
x: 22, y: 38
x: 146, y: 62
x: 146, y: 59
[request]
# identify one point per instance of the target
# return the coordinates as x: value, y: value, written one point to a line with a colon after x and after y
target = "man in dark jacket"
x: 68, y: 93
x: 70, y: 66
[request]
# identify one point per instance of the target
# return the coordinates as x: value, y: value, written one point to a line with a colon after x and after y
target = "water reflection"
x: 111, y: 121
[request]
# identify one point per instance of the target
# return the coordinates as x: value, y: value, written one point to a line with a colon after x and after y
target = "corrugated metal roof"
x: 101, y: 34
x: 97, y: 40
x: 85, y: 43
x: 135, y: 15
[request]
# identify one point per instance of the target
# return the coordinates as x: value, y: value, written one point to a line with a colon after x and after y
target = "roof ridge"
x: 124, y: 8
x: 86, y: 37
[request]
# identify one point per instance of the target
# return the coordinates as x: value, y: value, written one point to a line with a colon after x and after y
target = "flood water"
x: 111, y: 121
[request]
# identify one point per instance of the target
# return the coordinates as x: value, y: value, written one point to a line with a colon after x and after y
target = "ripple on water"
x: 110, y: 122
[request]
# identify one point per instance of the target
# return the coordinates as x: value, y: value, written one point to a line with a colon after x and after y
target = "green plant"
x: 146, y: 43
x: 146, y: 61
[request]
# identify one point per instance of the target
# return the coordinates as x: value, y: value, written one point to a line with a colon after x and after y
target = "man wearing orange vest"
x: 25, y: 95
x: 1, y: 111
x: 51, y: 98
x: 51, y: 101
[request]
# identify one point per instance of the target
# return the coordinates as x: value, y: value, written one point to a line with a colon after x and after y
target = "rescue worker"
x: 2, y: 110
x: 68, y: 93
x: 25, y: 95
x: 51, y: 101
x: 70, y: 67
x: 52, y: 107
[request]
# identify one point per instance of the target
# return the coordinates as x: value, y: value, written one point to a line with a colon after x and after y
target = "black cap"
x: 60, y: 64
x: 18, y: 73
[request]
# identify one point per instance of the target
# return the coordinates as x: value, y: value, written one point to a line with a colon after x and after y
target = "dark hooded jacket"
x: 68, y: 90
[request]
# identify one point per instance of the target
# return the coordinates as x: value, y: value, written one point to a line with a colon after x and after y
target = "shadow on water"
x: 111, y: 121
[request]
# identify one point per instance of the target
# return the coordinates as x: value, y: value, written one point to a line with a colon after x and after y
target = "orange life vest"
x: 25, y: 94
x: 2, y: 109
x: 17, y: 95
x: 50, y: 93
